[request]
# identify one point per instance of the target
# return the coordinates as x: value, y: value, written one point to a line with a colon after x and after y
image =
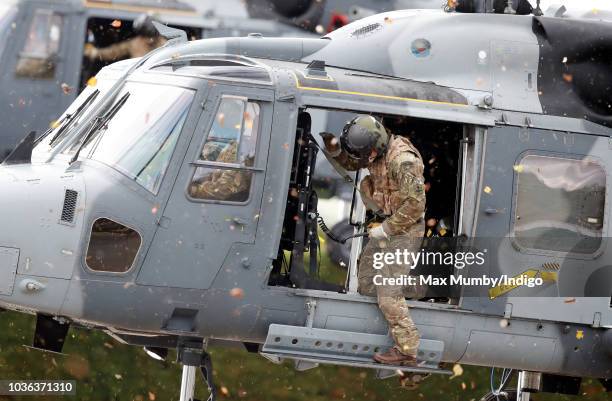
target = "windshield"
x: 63, y: 126
x: 7, y: 12
x: 6, y: 7
x: 140, y: 139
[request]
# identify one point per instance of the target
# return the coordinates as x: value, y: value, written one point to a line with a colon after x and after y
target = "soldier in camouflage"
x: 146, y: 40
x: 395, y: 186
x: 222, y: 184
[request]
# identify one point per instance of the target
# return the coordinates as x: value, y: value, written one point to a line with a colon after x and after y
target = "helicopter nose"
x: 39, y: 220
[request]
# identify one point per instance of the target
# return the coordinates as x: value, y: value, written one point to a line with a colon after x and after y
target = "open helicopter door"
x: 542, y: 214
x: 215, y: 203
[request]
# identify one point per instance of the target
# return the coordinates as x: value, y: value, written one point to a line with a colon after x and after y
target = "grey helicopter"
x: 107, y: 223
x: 42, y: 45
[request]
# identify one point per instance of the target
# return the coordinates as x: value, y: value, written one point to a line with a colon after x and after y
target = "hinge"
x: 597, y: 319
x: 508, y: 311
x: 286, y: 98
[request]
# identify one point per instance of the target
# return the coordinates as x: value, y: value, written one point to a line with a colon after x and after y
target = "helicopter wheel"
x: 506, y: 395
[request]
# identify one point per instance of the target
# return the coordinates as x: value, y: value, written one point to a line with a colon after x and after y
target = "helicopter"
x: 43, y: 68
x: 117, y: 228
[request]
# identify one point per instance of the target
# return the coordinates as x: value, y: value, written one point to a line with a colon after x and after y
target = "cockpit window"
x: 63, y: 126
x: 37, y: 59
x: 560, y: 204
x: 230, y: 146
x: 7, y: 9
x: 140, y: 139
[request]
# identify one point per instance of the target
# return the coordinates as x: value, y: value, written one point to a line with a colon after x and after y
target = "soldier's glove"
x: 332, y: 144
x: 378, y: 233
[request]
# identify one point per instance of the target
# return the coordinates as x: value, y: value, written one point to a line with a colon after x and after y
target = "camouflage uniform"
x: 396, y: 186
x: 131, y: 48
x: 222, y: 184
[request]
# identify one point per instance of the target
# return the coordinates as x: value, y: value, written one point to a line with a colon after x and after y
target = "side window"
x: 560, y: 204
x: 230, y: 147
x: 112, y: 247
x: 37, y: 58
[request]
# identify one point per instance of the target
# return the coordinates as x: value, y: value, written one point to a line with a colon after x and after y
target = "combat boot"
x: 395, y: 357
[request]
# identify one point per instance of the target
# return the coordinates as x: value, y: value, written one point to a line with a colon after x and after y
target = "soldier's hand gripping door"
x: 216, y: 201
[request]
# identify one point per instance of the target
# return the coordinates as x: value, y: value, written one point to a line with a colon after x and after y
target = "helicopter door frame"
x: 468, y: 173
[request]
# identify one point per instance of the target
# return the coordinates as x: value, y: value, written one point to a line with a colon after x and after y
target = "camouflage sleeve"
x: 345, y: 161
x: 114, y: 52
x: 227, y: 185
x: 406, y: 169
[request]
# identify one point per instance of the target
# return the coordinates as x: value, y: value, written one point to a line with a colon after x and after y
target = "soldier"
x: 222, y: 184
x: 395, y: 186
x: 147, y: 39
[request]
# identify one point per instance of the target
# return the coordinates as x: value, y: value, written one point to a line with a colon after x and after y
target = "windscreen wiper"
x: 99, y: 123
x: 65, y: 122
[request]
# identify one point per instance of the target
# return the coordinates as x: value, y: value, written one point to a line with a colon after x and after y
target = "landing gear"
x: 192, y: 355
x: 505, y: 395
x: 528, y: 382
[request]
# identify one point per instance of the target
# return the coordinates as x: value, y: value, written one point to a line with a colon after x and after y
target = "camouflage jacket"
x: 395, y: 184
x: 223, y: 184
x: 138, y: 46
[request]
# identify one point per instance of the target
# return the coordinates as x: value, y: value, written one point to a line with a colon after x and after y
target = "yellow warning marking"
x: 502, y: 289
x: 579, y: 334
x: 136, y: 8
x: 388, y: 97
x: 548, y: 276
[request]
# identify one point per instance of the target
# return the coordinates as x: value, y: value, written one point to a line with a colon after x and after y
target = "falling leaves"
x: 487, y: 190
x: 66, y: 89
x: 237, y: 293
x: 457, y: 371
x: 116, y: 24
x: 224, y: 391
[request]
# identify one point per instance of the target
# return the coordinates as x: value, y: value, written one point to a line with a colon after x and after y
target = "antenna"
x: 538, y: 11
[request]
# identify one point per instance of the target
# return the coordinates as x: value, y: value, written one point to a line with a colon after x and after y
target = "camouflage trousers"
x: 392, y: 298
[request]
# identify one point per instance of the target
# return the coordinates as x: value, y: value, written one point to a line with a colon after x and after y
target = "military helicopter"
x: 42, y: 44
x: 118, y: 229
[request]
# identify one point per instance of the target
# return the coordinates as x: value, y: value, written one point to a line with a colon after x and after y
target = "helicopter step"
x: 310, y: 346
